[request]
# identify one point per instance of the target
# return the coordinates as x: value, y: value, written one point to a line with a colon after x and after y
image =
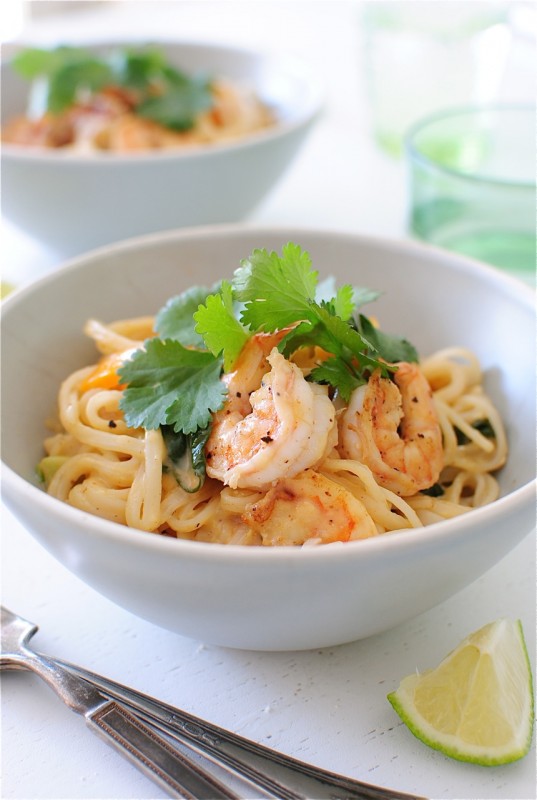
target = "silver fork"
x: 272, y: 774
x: 141, y: 744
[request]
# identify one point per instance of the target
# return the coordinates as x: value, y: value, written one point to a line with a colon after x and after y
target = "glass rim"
x: 413, y: 153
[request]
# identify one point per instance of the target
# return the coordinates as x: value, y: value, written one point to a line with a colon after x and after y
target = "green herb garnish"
x: 137, y: 69
x: 217, y: 324
x: 186, y: 458
x: 436, y: 490
x: 179, y: 104
x: 171, y: 385
x: 392, y: 348
x: 160, y: 92
x: 482, y: 425
x: 279, y: 291
x: 176, y: 319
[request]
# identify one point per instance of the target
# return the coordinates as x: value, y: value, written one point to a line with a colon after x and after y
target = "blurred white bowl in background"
x: 71, y: 202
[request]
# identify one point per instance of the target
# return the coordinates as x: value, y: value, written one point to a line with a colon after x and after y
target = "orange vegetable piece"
x: 105, y: 375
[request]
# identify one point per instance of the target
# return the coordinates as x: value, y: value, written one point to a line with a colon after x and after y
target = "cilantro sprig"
x: 280, y: 291
x: 161, y: 92
x: 277, y: 291
x: 174, y: 381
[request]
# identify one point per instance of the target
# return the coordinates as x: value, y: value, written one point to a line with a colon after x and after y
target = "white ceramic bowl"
x: 271, y: 598
x: 72, y: 202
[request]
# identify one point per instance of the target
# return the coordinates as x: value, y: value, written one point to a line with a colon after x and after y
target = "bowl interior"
x: 434, y: 299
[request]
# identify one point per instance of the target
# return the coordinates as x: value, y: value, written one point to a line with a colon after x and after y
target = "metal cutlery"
x: 139, y: 743
x: 202, y: 744
x: 266, y: 768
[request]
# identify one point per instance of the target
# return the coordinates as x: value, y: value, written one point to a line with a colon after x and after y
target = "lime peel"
x: 477, y: 705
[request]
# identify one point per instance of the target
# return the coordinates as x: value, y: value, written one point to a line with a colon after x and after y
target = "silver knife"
x: 275, y: 773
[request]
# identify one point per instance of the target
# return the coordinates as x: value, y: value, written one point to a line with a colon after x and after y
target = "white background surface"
x: 329, y: 706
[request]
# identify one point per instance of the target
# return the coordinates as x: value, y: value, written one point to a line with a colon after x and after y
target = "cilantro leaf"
x: 186, y: 454
x: 197, y: 442
x: 482, y: 425
x: 177, y: 77
x: 178, y: 106
x: 170, y: 385
x: 340, y: 336
x: 391, y: 348
x: 34, y: 62
x: 345, y: 300
x: 337, y: 372
x: 137, y: 69
x: 343, y: 303
x: 221, y: 331
x: 176, y: 321
x: 336, y: 336
x: 71, y: 78
x: 436, y: 490
x: 67, y: 70
x: 277, y: 290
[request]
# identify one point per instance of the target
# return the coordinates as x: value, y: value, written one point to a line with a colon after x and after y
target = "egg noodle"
x: 120, y: 473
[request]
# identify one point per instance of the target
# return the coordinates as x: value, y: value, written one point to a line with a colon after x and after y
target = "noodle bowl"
x: 73, y: 200
x: 272, y: 598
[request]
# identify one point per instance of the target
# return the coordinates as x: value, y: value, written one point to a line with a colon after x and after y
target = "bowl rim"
x: 415, y: 155
x: 401, y: 540
x: 281, y: 129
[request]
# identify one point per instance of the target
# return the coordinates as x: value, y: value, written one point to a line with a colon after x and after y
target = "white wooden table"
x: 327, y: 706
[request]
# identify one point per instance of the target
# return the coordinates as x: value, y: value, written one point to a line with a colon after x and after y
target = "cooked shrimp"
x: 392, y: 427
x: 250, y: 368
x: 48, y: 131
x: 309, y: 508
x: 274, y: 431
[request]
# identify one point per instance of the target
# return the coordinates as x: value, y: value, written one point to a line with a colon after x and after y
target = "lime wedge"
x: 477, y: 705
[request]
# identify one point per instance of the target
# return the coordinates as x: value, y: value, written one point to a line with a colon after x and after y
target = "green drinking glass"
x: 471, y: 176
